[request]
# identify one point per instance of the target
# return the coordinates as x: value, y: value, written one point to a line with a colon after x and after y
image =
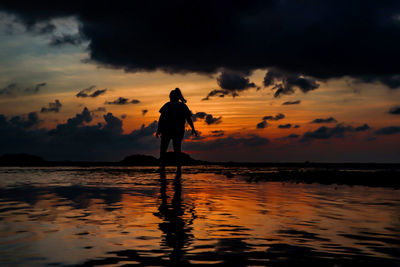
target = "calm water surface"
x: 119, y: 216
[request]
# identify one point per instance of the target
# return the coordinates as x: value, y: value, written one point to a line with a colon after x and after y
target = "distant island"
x: 371, y: 174
x: 29, y: 160
x: 23, y: 159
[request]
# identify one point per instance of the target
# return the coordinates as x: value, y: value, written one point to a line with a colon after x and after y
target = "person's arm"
x: 160, y: 125
x: 189, y: 120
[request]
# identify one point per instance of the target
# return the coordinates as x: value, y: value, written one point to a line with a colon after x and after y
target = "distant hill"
x: 140, y: 160
x: 170, y: 159
x: 133, y: 160
x: 24, y: 159
x: 21, y: 160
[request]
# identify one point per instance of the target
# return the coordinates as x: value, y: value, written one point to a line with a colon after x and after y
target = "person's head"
x: 176, y: 95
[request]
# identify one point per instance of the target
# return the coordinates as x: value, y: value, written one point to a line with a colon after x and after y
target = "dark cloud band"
x: 322, y: 39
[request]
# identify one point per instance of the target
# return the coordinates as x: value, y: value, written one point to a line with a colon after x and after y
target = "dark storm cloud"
x: 75, y: 139
x: 234, y: 82
x: 323, y: 39
x: 286, y: 83
x: 388, y: 130
x: 90, y: 92
x: 277, y: 117
x: 144, y: 112
x: 122, y: 101
x: 391, y: 81
x: 208, y: 118
x: 338, y: 131
x: 231, y: 83
x: 67, y: 39
x: 284, y: 126
x: 291, y: 102
x: 14, y: 90
x: 326, y: 120
x: 395, y: 110
x: 20, y: 122
x: 46, y: 28
x: 52, y: 107
x: 72, y: 123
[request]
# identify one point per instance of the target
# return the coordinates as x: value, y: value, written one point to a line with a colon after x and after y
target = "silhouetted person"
x: 171, y: 124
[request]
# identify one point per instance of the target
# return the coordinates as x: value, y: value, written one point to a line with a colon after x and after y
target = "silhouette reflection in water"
x: 176, y: 229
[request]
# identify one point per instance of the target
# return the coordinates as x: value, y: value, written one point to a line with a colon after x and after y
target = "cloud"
x: 326, y: 120
x: 8, y: 90
x: 67, y: 39
x: 234, y: 82
x: 219, y: 92
x: 13, y: 90
x: 88, y: 92
x: 72, y: 123
x: 290, y: 136
x: 388, y: 130
x: 395, y: 110
x: 323, y: 40
x: 337, y: 131
x: 113, y: 124
x: 284, y: 126
x: 99, y: 109
x: 296, y: 126
x: 75, y: 139
x: 262, y: 125
x: 362, y: 128
x: 291, y: 102
x: 52, y: 107
x: 122, y: 101
x: 20, y: 122
x: 144, y: 112
x: 229, y: 142
x: 217, y: 133
x: 35, y: 89
x: 277, y: 117
x: 286, y: 83
x: 208, y: 118
x: 391, y: 81
x: 189, y: 136
x: 231, y: 83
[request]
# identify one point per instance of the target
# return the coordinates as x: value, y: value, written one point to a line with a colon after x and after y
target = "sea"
x: 201, y: 215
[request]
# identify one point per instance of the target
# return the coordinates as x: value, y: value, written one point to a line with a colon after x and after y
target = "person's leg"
x: 163, y: 147
x: 177, y: 143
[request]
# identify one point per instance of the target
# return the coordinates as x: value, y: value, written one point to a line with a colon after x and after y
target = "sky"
x: 266, y: 81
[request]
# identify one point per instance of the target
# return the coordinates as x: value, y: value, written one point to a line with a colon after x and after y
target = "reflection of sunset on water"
x: 195, y: 218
